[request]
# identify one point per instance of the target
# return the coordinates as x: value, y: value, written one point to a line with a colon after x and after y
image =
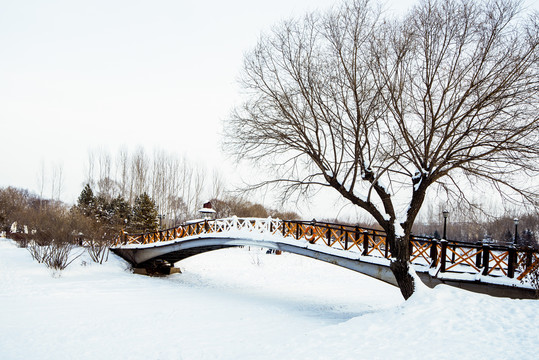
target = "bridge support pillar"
x: 162, y: 271
x: 156, y: 267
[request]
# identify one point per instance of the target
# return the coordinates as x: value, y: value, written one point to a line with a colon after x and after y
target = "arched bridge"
x: 485, y: 268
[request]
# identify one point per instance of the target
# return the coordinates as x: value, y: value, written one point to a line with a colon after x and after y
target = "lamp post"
x: 446, y: 214
x: 516, y: 231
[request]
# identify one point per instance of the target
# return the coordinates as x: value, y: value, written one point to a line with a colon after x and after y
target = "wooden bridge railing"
x: 446, y: 256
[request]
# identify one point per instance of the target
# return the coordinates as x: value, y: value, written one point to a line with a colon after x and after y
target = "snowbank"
x: 246, y: 304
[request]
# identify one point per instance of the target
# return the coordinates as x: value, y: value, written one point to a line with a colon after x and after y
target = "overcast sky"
x: 83, y: 75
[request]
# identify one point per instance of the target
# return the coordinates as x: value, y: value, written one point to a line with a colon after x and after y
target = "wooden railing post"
x: 297, y: 231
x: 328, y: 237
x: 386, y: 248
x: 365, y: 243
x: 356, y: 235
x: 486, y: 254
x: 284, y: 223
x: 443, y: 255
x: 478, y: 256
x: 511, y: 262
x: 433, y: 254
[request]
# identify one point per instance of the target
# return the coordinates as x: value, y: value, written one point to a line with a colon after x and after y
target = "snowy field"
x: 240, y: 304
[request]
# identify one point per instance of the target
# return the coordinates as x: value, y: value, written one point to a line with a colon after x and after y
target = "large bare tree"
x: 381, y: 109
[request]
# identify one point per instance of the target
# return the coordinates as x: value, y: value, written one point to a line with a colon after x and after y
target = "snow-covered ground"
x: 240, y: 304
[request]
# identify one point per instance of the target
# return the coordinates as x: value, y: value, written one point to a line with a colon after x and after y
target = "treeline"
x: 118, y: 215
x: 498, y: 230
x: 101, y: 214
x: 26, y: 216
x: 51, y: 229
x: 176, y: 185
x: 235, y: 206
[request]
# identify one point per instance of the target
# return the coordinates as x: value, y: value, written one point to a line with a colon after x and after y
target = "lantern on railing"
x: 207, y: 213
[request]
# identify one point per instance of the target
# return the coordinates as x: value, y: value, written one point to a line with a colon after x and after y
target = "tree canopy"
x: 144, y: 214
x: 381, y: 109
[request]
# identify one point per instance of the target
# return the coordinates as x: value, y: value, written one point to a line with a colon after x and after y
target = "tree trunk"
x: 403, y: 277
x: 400, y: 266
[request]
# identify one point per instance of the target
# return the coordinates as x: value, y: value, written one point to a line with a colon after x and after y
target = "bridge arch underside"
x: 174, y: 251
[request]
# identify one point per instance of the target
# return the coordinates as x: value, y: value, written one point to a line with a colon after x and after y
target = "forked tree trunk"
x: 400, y: 265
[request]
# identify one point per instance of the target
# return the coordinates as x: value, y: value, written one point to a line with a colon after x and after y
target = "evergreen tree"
x: 508, y: 236
x: 86, y: 202
x: 144, y: 214
x: 103, y: 210
x: 121, y: 212
x: 528, y: 238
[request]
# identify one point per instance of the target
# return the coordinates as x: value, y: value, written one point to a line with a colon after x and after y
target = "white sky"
x: 82, y: 75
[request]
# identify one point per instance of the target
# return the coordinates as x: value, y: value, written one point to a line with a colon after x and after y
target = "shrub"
x: 55, y: 255
x: 98, y: 251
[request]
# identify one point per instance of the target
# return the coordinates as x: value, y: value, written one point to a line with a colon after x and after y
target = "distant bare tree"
x: 106, y: 185
x: 122, y: 168
x: 217, y: 185
x: 381, y: 110
x: 41, y: 179
x: 57, y: 182
x: 159, y: 178
x: 90, y: 175
x: 139, y: 173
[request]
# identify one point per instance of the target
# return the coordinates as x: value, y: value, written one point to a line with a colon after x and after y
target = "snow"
x: 399, y: 231
x: 246, y: 304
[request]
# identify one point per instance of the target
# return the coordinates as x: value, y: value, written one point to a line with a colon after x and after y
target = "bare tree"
x: 380, y: 110
x: 41, y: 181
x: 159, y: 180
x: 106, y: 185
x: 90, y: 175
x: 217, y: 185
x: 122, y: 171
x: 139, y: 174
x: 57, y: 181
